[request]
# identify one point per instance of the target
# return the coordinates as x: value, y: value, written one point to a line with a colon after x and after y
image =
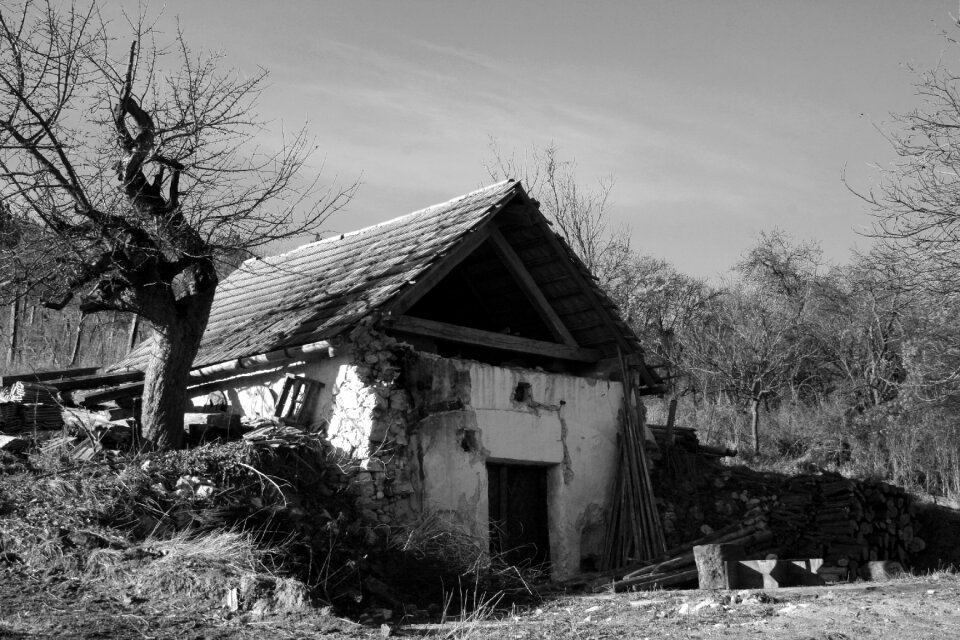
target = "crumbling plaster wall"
x: 363, y: 411
x: 470, y: 415
x: 422, y: 429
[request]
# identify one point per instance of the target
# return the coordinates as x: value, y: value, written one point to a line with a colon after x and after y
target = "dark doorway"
x: 518, y: 513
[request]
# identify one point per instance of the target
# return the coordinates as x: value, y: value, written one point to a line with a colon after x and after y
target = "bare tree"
x: 127, y: 169
x: 580, y: 215
x: 916, y: 206
x: 662, y: 305
x: 747, y: 347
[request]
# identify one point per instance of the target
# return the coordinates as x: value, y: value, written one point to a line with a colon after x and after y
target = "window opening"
x: 298, y: 394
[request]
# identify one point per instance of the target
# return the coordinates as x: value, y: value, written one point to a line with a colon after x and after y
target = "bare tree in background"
x: 747, y: 347
x: 579, y: 215
x: 126, y: 169
x: 916, y: 206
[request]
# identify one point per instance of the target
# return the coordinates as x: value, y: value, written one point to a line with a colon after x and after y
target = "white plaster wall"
x: 454, y: 481
x: 568, y: 424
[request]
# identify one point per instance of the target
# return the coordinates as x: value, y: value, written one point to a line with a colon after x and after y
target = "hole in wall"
x: 522, y: 392
x: 468, y: 440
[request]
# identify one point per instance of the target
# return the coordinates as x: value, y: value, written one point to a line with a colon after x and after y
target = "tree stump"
x: 714, y: 563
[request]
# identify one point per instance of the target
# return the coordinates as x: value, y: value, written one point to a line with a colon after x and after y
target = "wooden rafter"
x: 490, y: 339
x: 585, y: 287
x: 529, y: 287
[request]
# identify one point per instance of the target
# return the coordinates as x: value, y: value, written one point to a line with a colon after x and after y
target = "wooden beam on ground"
x: 94, y: 381
x: 91, y: 398
x: 43, y: 376
x: 490, y: 339
x: 529, y: 287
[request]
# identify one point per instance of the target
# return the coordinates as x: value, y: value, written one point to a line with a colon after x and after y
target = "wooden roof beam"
x: 529, y: 287
x: 490, y: 339
x: 566, y: 256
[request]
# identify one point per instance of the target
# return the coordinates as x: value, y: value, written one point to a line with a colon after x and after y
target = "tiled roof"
x: 321, y: 289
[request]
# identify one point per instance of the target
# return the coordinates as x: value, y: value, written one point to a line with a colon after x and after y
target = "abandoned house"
x: 462, y: 353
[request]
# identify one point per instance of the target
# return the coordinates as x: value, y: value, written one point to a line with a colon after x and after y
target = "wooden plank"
x: 503, y: 341
x: 42, y: 376
x: 131, y: 390
x: 94, y: 381
x: 287, y: 385
x: 437, y: 272
x: 529, y: 287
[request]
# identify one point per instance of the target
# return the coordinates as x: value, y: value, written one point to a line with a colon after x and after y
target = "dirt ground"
x: 904, y: 609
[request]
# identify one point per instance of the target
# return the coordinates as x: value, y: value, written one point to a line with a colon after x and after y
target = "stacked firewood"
x: 32, y: 393
x: 31, y: 406
x: 42, y: 416
x: 847, y: 523
x: 9, y: 413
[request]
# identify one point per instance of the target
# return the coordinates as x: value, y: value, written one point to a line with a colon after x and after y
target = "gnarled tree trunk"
x: 165, y: 398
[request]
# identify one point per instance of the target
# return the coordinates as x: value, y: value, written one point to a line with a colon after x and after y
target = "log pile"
x: 30, y: 406
x: 846, y: 522
x: 9, y: 413
x: 42, y: 417
x: 33, y: 393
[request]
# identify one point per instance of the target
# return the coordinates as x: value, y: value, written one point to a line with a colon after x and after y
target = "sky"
x: 715, y: 120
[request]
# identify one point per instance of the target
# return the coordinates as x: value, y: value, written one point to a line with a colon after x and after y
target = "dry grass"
x: 472, y: 621
x: 199, y: 568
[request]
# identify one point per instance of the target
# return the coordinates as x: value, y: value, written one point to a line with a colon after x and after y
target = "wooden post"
x: 134, y: 329
x: 671, y: 419
x: 14, y: 324
x: 76, y: 340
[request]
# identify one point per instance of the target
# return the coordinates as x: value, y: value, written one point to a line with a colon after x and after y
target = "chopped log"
x: 712, y: 564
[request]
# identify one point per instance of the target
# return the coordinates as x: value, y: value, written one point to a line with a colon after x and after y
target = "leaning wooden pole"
x: 634, y: 533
